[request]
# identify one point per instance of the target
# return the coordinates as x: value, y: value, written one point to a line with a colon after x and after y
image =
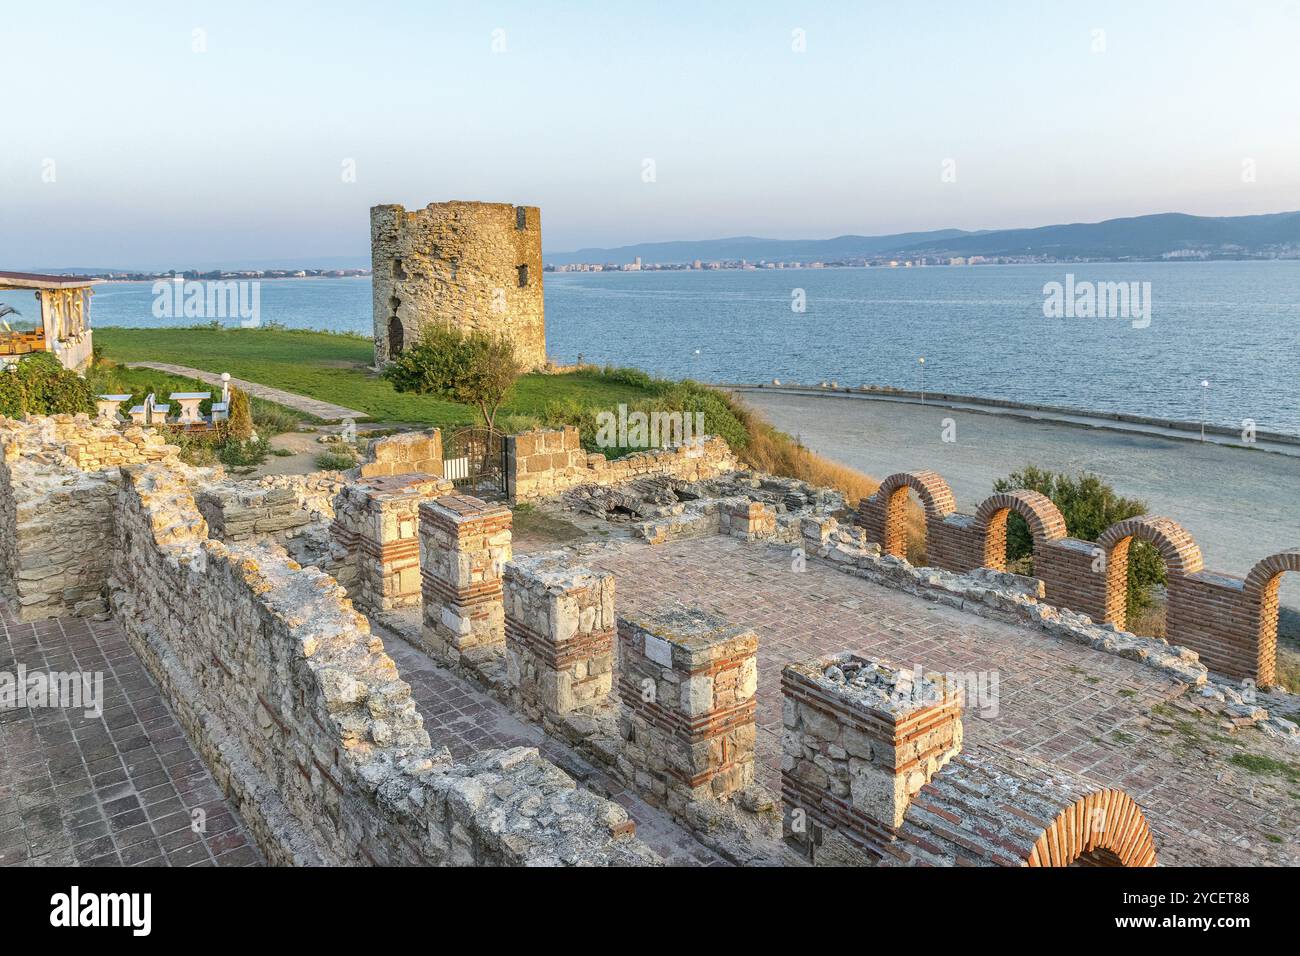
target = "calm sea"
x: 981, y: 330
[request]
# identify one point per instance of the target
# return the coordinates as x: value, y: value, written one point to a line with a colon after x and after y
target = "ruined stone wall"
x: 474, y: 265
x: 55, y: 539
x: 306, y: 722
x: 58, y: 481
x: 546, y: 462
x: 872, y: 772
x: 375, y: 533
x: 465, y: 544
x: 405, y: 453
x: 237, y: 512
x: 314, y: 493
x: 993, y: 807
x: 687, y: 681
x: 1214, y: 614
x: 81, y: 443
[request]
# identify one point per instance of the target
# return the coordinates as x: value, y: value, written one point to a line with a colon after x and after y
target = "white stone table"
x: 189, y: 402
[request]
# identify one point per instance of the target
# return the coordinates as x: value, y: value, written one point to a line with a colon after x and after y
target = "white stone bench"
x: 150, y: 413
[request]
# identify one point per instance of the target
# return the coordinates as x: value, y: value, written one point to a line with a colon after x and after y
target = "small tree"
x: 239, y: 425
x: 1089, y: 507
x: 471, y: 368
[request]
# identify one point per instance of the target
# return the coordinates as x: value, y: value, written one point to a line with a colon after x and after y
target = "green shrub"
x: 242, y: 454
x: 335, y: 461
x: 196, y: 448
x: 239, y: 426
x: 1089, y: 507
x: 38, y: 385
x: 272, y: 419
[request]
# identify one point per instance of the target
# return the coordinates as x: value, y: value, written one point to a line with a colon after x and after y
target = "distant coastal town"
x: 744, y: 264
x: 215, y: 274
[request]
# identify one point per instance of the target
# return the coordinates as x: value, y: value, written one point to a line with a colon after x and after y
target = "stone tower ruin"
x: 474, y: 265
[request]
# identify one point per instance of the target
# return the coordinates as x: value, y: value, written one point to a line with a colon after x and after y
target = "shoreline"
x: 1267, y: 441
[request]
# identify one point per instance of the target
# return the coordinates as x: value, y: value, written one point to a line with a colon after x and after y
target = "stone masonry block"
x: 687, y: 682
x: 559, y: 634
x: 860, y: 737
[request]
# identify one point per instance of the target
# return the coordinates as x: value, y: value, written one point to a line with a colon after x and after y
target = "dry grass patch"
x: 1288, y: 670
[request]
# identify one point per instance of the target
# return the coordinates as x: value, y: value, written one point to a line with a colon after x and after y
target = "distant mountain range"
x: 1138, y: 237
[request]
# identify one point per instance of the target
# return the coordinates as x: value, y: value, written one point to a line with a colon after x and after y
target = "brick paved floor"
x: 1083, y: 709
x: 112, y: 790
x: 465, y: 720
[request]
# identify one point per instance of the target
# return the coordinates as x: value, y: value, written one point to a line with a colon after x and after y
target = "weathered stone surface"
x: 417, y: 452
x: 546, y: 462
x: 58, y: 484
x: 283, y: 687
x: 686, y: 682
x: 560, y: 630
x: 860, y: 738
x: 464, y: 547
x: 475, y: 265
x: 375, y: 532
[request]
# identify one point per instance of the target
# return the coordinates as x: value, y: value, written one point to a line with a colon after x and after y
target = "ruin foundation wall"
x: 545, y: 462
x: 306, y: 722
x: 58, y: 482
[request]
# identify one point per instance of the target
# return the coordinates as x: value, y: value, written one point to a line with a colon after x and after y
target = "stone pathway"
x: 466, y: 720
x: 1091, y: 712
x: 118, y: 789
x: 326, y: 411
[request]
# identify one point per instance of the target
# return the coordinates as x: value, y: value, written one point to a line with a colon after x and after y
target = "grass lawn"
x: 336, y: 368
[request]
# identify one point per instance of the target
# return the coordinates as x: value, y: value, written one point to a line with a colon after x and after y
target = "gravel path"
x: 326, y: 411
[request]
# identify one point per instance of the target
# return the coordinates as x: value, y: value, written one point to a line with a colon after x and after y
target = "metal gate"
x: 474, y: 459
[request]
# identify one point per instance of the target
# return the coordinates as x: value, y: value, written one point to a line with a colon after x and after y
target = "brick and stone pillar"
x: 687, y: 681
x: 464, y: 547
x: 860, y: 738
x: 559, y: 635
x: 376, y: 527
x: 750, y: 521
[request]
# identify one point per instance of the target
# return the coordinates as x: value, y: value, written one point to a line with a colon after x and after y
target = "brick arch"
x: 1046, y: 523
x: 1181, y: 553
x: 883, y: 513
x: 1103, y: 828
x: 1262, y: 605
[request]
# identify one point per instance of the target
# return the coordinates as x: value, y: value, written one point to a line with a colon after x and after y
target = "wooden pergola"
x: 64, y: 329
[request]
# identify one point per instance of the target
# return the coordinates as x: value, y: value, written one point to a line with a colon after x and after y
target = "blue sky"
x: 167, y: 156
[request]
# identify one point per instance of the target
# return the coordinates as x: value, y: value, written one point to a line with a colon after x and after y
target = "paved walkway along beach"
x: 326, y: 411
x: 1239, y: 505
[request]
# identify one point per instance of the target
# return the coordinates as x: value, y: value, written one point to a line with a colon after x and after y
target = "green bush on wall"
x: 38, y: 385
